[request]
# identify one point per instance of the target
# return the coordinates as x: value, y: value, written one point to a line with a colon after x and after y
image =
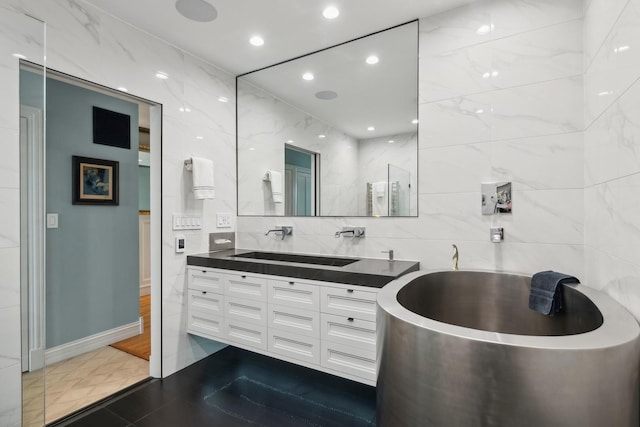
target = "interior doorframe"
x: 32, y: 266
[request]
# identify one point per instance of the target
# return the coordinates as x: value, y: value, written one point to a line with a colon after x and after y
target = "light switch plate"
x: 52, y: 220
x: 181, y: 244
x: 187, y: 222
x: 223, y: 220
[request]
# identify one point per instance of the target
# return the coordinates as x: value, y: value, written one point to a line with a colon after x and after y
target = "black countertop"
x: 370, y: 272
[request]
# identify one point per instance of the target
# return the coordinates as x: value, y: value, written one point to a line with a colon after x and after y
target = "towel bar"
x: 188, y: 164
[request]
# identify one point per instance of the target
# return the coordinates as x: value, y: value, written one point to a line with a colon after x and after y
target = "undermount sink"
x: 303, y: 259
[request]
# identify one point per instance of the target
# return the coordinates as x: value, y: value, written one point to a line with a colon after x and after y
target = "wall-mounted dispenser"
x: 496, y: 198
x: 496, y: 234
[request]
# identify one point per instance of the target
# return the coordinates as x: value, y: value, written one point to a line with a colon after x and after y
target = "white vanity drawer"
x: 205, y: 325
x: 297, y: 321
x: 294, y: 294
x: 350, y: 360
x: 349, y: 302
x: 206, y: 302
x: 244, y: 286
x: 246, y: 310
x: 205, y: 280
x: 295, y: 346
x: 249, y: 334
x: 349, y: 331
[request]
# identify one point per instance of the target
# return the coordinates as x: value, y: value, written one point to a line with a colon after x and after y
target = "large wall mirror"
x: 332, y: 133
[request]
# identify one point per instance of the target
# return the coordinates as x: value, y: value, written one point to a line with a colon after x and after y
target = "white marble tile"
x: 454, y: 121
x: 10, y: 159
x: 545, y: 162
x: 611, y: 148
x: 10, y: 278
x: 10, y: 218
x: 537, y: 109
x: 546, y: 54
x: 469, y: 25
x: 547, y: 216
x: 9, y: 336
x: 626, y: 209
x: 599, y: 18
x: 616, y: 65
x: 455, y: 169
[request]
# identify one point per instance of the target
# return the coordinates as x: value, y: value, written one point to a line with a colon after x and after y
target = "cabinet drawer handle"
x: 204, y: 271
x: 292, y: 283
x: 350, y: 291
x: 350, y: 319
x: 204, y: 292
x: 244, y: 277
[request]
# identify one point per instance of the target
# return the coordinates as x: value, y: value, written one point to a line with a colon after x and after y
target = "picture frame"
x: 95, y: 181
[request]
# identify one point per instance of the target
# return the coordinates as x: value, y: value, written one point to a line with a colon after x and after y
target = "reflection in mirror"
x: 352, y: 114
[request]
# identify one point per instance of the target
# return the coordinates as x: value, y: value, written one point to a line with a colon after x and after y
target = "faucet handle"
x: 390, y: 252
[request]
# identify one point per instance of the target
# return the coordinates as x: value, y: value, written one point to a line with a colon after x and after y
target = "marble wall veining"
x: 612, y: 149
x: 501, y: 95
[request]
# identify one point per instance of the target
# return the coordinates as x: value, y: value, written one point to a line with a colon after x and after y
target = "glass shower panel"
x: 22, y: 41
x: 399, y: 186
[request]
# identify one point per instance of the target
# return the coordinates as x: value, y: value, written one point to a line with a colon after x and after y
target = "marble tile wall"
x: 85, y: 42
x: 612, y: 149
x: 501, y: 95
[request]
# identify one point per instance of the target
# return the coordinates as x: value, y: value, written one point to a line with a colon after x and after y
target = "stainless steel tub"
x: 462, y: 348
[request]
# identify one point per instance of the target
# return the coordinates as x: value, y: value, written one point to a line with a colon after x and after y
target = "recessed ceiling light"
x: 123, y: 89
x: 252, y: 149
x: 372, y: 60
x: 479, y: 111
x: 371, y: 128
x: 256, y: 41
x: 486, y: 75
x: 391, y: 141
x: 199, y: 137
x: 19, y: 56
x: 605, y: 93
x: 321, y: 136
x: 485, y: 29
x: 326, y: 95
x: 185, y: 109
x: 616, y: 50
x: 162, y: 75
x: 308, y: 76
x: 494, y: 73
x: 331, y: 12
x: 223, y: 99
x: 290, y: 141
x: 197, y: 10
x: 414, y: 121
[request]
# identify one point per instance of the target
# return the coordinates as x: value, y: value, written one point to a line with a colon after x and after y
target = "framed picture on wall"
x: 95, y: 181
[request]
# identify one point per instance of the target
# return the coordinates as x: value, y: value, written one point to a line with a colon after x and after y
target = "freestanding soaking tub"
x: 462, y: 348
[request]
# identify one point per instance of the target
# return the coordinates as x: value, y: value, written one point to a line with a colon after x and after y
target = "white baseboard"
x: 92, y: 342
x: 145, y: 290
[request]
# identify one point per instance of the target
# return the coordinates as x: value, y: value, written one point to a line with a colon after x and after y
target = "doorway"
x: 82, y: 248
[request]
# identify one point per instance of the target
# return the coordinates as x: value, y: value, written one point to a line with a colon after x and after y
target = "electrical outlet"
x: 223, y: 220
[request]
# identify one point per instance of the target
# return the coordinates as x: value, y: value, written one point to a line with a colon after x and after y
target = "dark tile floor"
x: 239, y: 388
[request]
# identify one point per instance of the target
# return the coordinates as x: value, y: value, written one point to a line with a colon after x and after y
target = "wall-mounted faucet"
x: 350, y: 232
x: 455, y: 258
x: 284, y: 230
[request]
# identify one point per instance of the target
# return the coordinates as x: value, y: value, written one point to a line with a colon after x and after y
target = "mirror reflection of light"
x: 252, y: 149
x: 123, y: 89
x: 414, y: 121
x: 371, y: 128
x: 605, y: 93
x: 321, y: 136
x: 331, y: 12
x: 371, y: 60
x: 290, y: 141
x: 199, y: 137
x: 308, y: 76
x: 185, y: 109
x: 223, y: 99
x: 479, y: 111
x: 391, y: 141
x: 19, y: 56
x: 162, y: 75
x: 256, y: 41
x: 620, y: 49
x: 485, y: 29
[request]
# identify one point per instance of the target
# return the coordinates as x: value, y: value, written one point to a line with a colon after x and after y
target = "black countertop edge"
x: 369, y: 272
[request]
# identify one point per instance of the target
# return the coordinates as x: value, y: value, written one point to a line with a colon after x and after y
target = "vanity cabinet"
x: 326, y: 326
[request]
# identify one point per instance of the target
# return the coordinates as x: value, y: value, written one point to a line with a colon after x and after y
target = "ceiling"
x: 290, y: 28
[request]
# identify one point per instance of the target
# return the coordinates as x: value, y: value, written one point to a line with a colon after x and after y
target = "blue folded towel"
x: 545, y: 296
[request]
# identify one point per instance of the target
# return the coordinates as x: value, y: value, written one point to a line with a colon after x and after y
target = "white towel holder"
x: 188, y: 164
x: 266, y: 177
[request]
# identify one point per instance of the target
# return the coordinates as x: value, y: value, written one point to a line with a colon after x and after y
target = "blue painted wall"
x: 92, y: 258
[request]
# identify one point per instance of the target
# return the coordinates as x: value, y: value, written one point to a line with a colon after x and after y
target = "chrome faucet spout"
x: 284, y: 231
x: 455, y: 258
